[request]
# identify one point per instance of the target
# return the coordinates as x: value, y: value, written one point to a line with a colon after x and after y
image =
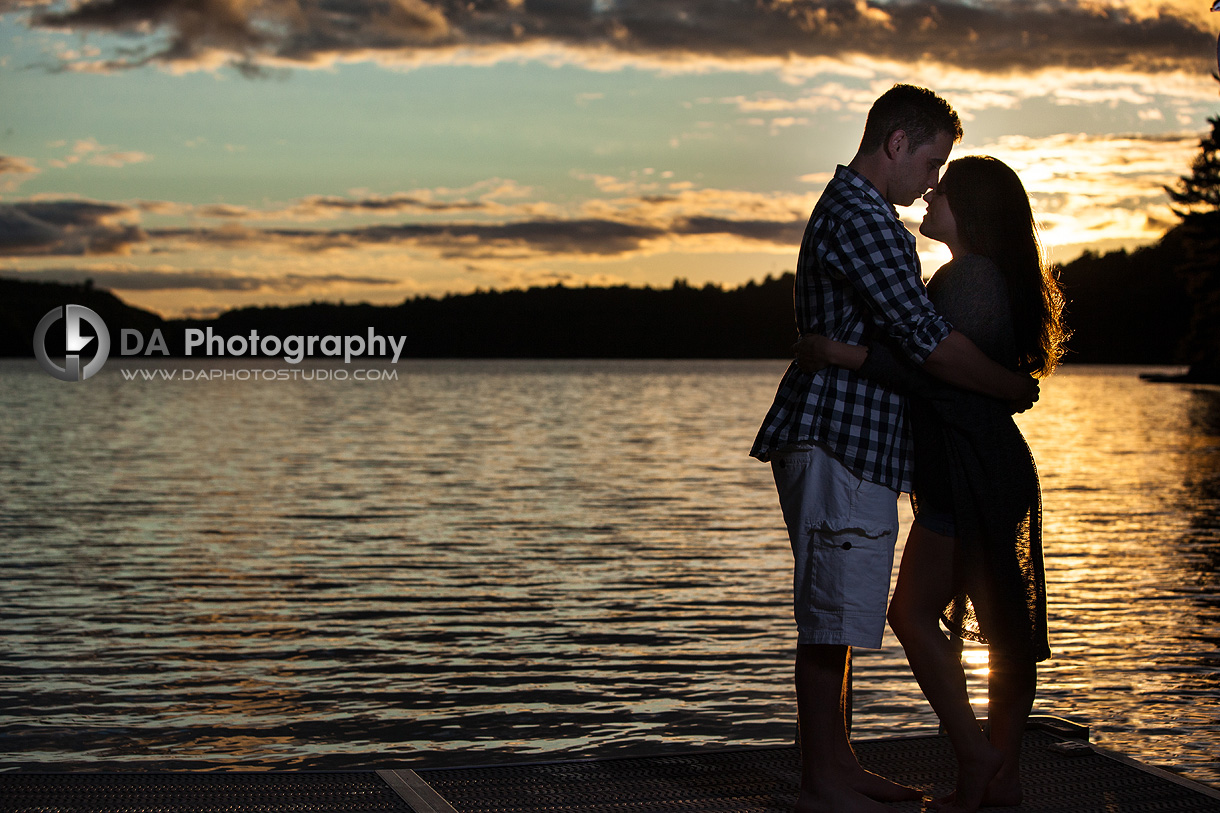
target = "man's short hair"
x: 918, y: 112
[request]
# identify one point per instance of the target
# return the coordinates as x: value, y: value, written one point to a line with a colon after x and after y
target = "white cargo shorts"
x: 843, y: 530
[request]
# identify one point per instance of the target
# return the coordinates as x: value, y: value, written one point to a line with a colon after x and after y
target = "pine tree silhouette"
x: 1197, y: 199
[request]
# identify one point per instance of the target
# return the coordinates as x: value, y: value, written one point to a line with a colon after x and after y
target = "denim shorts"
x: 842, y: 530
x: 935, y: 519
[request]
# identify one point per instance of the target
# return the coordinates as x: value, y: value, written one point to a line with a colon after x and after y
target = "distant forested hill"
x: 1128, y: 307
x: 23, y: 304
x: 753, y: 321
x: 1124, y: 307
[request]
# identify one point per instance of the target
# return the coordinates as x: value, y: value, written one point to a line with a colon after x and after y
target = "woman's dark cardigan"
x: 971, y: 460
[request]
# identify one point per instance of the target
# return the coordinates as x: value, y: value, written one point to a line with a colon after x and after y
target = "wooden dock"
x: 1061, y: 773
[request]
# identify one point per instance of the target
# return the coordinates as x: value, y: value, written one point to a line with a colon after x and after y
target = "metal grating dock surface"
x: 1060, y: 775
x: 236, y: 792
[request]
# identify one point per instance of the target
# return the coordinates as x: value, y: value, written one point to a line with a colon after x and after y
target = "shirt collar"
x: 857, y: 181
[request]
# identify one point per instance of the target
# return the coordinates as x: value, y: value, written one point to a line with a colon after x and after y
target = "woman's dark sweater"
x: 971, y: 460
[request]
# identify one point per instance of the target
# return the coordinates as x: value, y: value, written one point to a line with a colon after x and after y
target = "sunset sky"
x: 198, y: 156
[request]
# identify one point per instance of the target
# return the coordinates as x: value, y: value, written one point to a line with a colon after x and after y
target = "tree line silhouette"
x: 1123, y: 307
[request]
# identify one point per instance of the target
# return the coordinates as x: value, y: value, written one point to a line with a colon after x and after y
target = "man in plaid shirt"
x: 837, y: 442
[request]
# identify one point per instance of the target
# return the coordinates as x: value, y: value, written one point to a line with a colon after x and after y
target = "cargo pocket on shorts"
x: 854, y: 556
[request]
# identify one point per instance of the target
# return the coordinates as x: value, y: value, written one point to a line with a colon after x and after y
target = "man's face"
x: 918, y: 170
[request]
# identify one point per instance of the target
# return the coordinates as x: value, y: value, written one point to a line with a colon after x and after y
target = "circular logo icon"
x: 75, y: 342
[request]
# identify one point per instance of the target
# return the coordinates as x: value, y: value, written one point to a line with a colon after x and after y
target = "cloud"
x: 10, y: 164
x: 604, y: 229
x: 321, y: 207
x: 1086, y: 189
x: 653, y: 214
x: 786, y: 233
x: 66, y: 227
x: 207, y: 32
x: 495, y: 196
x: 19, y: 170
x: 169, y: 279
x: 389, y: 204
x: 264, y: 35
x: 1089, y: 191
x: 1080, y: 177
x: 89, y: 151
x: 449, y: 240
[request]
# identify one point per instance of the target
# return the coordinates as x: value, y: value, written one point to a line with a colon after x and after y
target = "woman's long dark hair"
x: 994, y: 219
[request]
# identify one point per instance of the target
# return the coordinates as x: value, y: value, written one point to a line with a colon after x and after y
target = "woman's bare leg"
x: 925, y: 585
x: 1010, y: 692
x: 1011, y: 685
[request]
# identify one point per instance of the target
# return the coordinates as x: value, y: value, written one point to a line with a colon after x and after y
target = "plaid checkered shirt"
x: 857, y: 278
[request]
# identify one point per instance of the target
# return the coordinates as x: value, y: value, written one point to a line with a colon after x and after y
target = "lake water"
x: 481, y: 561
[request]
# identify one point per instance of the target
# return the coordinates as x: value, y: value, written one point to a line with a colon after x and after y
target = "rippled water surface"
x: 484, y: 561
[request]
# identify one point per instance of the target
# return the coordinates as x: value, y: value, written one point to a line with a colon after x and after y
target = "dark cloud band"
x: 992, y: 36
x: 74, y: 227
x: 472, y: 241
x: 187, y: 280
x: 65, y: 227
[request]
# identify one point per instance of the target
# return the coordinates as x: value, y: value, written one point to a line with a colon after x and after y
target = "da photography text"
x: 294, y: 349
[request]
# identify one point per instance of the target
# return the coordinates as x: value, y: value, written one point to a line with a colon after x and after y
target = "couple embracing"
x: 898, y: 387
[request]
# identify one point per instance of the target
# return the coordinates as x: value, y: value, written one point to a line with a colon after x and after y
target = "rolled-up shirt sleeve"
x: 877, y: 255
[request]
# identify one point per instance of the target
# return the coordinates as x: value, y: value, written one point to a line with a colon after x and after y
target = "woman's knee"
x: 902, y: 619
x: 912, y: 618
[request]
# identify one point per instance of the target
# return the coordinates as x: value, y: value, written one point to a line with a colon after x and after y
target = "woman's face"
x: 938, y: 222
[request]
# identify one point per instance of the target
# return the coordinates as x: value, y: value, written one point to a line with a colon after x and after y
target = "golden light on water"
x: 974, y: 663
x: 532, y: 556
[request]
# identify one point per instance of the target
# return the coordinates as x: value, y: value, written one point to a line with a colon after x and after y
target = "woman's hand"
x: 814, y: 352
x: 810, y: 352
x: 1022, y: 404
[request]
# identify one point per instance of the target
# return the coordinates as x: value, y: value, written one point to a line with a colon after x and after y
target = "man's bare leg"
x: 832, y: 779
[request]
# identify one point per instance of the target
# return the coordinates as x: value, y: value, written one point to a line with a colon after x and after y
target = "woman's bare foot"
x: 1004, y: 790
x: 974, y: 778
x: 997, y: 795
x: 1005, y: 787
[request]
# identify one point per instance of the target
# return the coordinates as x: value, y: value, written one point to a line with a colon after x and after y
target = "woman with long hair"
x: 974, y: 555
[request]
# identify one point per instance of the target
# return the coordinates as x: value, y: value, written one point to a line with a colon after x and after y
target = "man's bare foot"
x: 974, y: 777
x: 839, y: 799
x: 878, y: 787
